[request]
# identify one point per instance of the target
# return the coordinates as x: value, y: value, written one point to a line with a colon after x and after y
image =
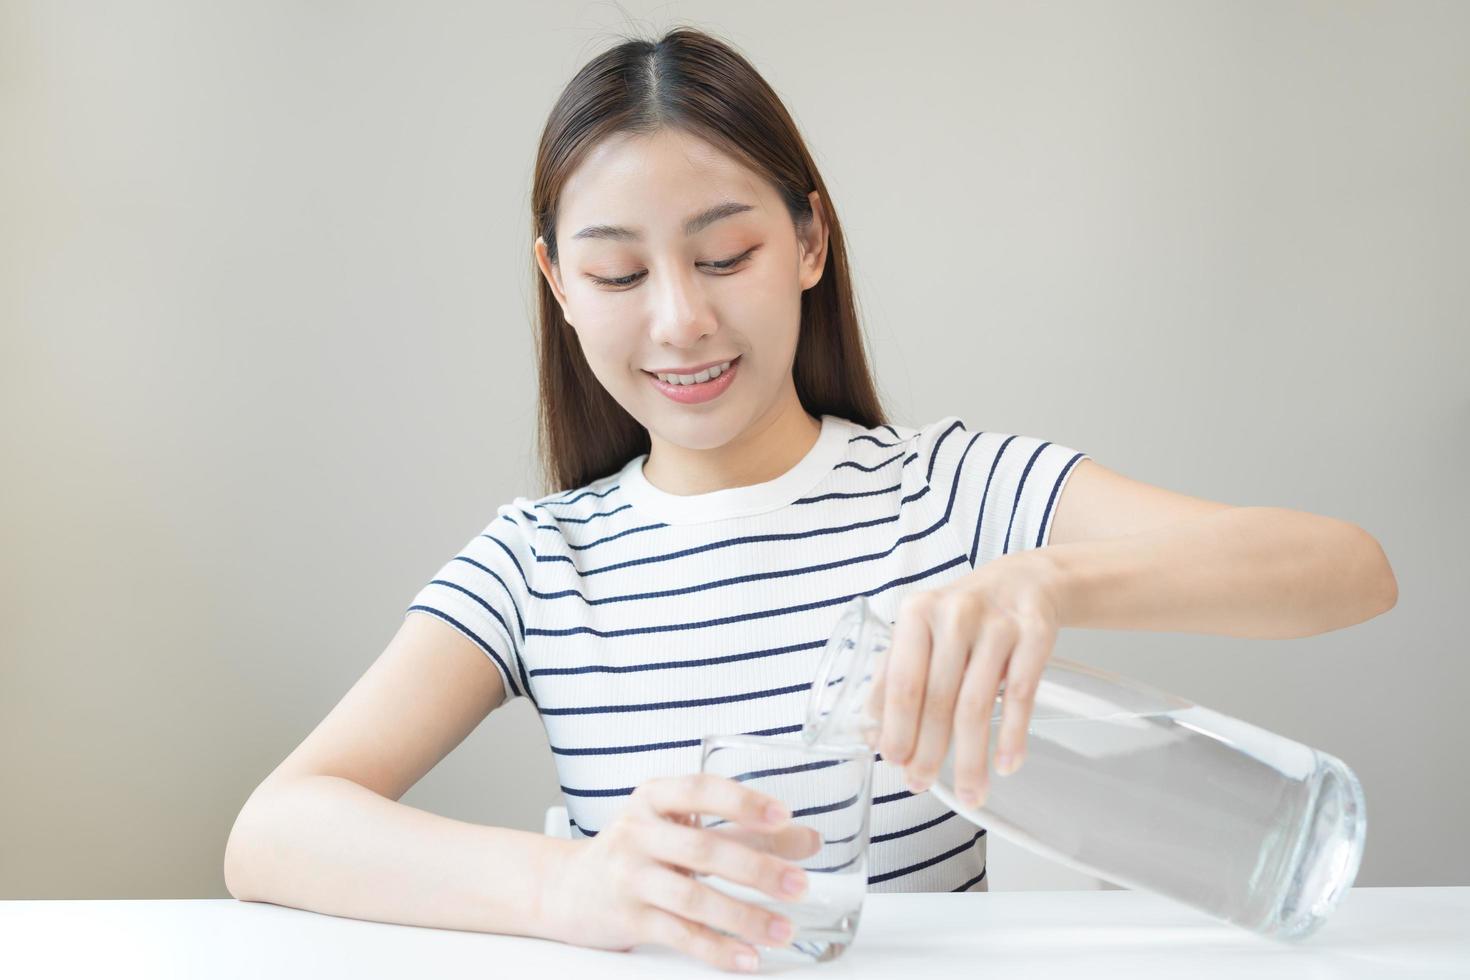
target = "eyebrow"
x: 694, y: 224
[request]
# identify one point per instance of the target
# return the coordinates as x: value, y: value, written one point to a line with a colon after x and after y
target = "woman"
x: 724, y: 480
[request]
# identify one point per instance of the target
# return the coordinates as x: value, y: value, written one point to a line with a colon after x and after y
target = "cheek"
x: 774, y: 297
x: 609, y: 346
x: 769, y: 316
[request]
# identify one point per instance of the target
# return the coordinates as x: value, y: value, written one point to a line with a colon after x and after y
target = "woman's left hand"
x: 952, y: 647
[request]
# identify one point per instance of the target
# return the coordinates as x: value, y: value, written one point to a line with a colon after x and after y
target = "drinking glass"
x: 825, y: 788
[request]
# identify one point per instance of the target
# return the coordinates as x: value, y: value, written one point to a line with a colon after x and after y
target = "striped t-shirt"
x: 638, y: 621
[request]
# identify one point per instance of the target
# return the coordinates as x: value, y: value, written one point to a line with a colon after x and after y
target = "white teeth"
x: 708, y: 374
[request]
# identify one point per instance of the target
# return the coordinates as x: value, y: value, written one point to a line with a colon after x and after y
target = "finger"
x: 793, y: 841
x: 954, y: 626
x: 908, y: 669
x: 1023, y: 676
x: 702, y: 902
x: 695, y: 939
x: 976, y: 707
x: 710, y: 793
x: 716, y: 853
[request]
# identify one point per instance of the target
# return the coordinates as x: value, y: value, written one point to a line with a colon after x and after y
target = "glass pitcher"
x: 1142, y: 788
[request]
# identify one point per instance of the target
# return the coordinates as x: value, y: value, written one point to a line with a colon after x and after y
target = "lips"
x: 689, y: 372
x: 698, y: 392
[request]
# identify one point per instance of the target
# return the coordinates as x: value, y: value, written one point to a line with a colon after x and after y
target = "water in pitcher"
x: 1190, y: 804
x: 1142, y: 788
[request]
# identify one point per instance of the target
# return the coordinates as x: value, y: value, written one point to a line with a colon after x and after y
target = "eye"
x: 723, y: 264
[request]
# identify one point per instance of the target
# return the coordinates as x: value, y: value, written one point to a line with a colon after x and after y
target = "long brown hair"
x: 692, y: 82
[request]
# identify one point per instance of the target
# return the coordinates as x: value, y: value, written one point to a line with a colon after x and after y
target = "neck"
x: 769, y: 448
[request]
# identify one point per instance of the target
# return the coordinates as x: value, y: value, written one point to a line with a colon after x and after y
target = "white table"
x: 1375, y: 933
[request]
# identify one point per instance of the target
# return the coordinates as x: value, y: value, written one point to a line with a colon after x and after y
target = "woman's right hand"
x: 633, y: 883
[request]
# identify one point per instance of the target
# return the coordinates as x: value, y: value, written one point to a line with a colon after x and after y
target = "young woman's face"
x: 652, y: 281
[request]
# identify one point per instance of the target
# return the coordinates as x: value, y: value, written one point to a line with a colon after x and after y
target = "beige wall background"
x: 265, y: 355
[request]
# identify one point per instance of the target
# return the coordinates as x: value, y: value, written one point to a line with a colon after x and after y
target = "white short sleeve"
x: 484, y: 591
x: 997, y: 490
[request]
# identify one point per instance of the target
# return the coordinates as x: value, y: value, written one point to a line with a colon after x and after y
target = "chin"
x: 693, y: 429
x: 695, y: 433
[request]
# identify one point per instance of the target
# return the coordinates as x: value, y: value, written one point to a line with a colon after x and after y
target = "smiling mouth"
x: 728, y: 366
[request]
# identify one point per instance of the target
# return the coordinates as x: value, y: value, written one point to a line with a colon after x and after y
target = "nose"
x: 682, y: 316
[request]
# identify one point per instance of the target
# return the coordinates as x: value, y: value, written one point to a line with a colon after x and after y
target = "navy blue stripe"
x: 874, y: 440
x: 959, y: 472
x: 691, y: 703
x: 934, y: 454
x: 809, y: 811
x: 833, y: 868
x: 687, y: 743
x: 877, y: 838
x: 848, y: 495
x: 654, y: 527
x: 509, y: 674
x: 581, y: 520
x: 732, y: 542
x: 672, y: 664
x: 563, y: 499
x: 729, y: 542
x: 515, y: 607
x: 1016, y: 501
x: 1055, y: 487
x: 973, y: 881
x: 902, y: 794
x: 579, y: 496
x: 610, y: 537
x: 628, y: 790
x: 747, y: 617
x: 980, y: 518
x: 482, y: 603
x: 743, y: 579
x: 726, y: 543
x: 1020, y: 489
x: 787, y: 770
x: 659, y: 524
x: 889, y: 876
x: 867, y: 469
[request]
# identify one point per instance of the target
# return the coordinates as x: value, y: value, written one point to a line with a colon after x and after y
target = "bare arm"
x: 326, y: 844
x: 325, y: 832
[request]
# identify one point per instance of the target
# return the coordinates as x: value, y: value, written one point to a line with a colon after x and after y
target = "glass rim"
x: 791, y: 742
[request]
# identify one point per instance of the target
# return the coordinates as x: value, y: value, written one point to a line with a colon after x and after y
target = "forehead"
x: 655, y: 182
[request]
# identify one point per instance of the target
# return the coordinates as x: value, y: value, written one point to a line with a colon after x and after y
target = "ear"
x: 552, y: 275
x: 813, y: 243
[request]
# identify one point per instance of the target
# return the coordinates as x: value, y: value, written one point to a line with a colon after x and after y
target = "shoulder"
x: 599, y: 498
x: 944, y: 445
x: 950, y: 444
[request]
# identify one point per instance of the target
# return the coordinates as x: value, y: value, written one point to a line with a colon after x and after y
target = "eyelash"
x: 626, y: 281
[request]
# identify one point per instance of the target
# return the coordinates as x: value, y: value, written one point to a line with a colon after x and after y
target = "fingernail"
x: 746, y: 961
x: 779, y: 930
x: 969, y: 797
x: 792, y: 882
x: 776, y: 813
x: 1006, y: 763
